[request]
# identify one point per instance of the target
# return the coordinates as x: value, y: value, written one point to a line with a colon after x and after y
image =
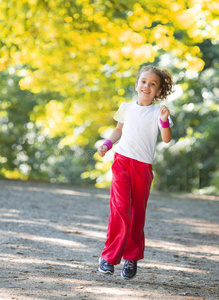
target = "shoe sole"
x: 105, y: 272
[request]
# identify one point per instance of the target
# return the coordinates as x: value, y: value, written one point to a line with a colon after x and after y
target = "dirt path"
x: 51, y: 238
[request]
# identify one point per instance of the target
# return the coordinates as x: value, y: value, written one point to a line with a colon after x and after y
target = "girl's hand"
x: 164, y: 113
x: 102, y: 150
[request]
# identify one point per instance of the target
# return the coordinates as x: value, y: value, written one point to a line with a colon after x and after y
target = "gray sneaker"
x: 129, y: 269
x: 105, y: 267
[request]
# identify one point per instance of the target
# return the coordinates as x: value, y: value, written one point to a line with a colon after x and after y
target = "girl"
x: 137, y: 129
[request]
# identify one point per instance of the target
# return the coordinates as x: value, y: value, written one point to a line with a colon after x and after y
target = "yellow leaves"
x: 68, y: 19
x: 88, y: 10
x: 179, y: 50
x: 27, y: 82
x: 163, y: 37
x: 68, y: 140
x: 127, y: 51
x: 138, y: 10
x: 139, y: 19
x: 3, y: 61
x: 15, y: 174
x: 18, y: 27
x: 165, y: 43
x: 160, y: 32
x: 128, y: 36
x: 199, y: 20
x: 194, y: 63
x: 191, y: 55
x: 189, y: 131
x: 4, y: 105
x: 100, y: 19
x: 103, y: 129
x: 76, y: 16
x: 139, y: 54
x: 80, y: 2
x: 33, y: 2
x: 139, y: 24
x: 212, y: 6
x: 146, y: 52
x: 103, y: 166
x: 177, y: 6
x: 68, y: 45
x: 3, y: 113
x: 195, y: 50
x: 74, y: 139
x: 121, y: 92
x: 56, y: 119
x: 185, y: 21
x: 115, y: 55
x: 102, y: 173
x: 85, y: 175
x: 53, y: 118
x: 55, y: 109
x: 118, y: 40
x: 71, y: 76
x: 197, y: 135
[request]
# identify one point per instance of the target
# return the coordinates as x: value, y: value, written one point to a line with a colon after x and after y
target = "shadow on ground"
x: 52, y: 236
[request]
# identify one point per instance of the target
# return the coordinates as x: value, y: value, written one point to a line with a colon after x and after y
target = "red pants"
x: 130, y: 189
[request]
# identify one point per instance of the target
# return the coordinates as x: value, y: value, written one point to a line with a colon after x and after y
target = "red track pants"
x: 130, y: 189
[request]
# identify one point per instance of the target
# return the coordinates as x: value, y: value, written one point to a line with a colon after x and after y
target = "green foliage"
x: 191, y: 163
x: 67, y: 65
x: 26, y: 149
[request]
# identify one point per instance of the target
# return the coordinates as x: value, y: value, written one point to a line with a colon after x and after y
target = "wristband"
x: 165, y: 124
x: 108, y: 143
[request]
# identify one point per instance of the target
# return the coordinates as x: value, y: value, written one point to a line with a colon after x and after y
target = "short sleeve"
x: 119, y: 115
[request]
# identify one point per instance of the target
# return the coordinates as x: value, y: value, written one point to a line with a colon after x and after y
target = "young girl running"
x: 137, y: 131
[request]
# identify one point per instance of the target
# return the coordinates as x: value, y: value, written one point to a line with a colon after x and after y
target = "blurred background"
x: 67, y: 65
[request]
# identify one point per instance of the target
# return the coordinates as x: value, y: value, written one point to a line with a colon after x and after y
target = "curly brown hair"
x: 166, y: 82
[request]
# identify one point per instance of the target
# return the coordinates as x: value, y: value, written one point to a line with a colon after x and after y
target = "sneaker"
x: 105, y: 267
x: 129, y: 269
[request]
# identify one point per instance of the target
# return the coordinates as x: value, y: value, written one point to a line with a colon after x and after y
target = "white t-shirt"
x: 140, y: 130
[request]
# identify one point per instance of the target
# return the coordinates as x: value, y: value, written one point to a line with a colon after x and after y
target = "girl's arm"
x: 166, y: 133
x: 114, y: 137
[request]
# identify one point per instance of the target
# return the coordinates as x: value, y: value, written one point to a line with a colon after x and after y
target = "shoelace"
x: 130, y: 265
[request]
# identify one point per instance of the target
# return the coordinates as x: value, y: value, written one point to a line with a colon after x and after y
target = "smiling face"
x: 147, y: 87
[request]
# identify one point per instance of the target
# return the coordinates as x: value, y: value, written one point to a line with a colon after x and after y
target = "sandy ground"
x: 51, y: 237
